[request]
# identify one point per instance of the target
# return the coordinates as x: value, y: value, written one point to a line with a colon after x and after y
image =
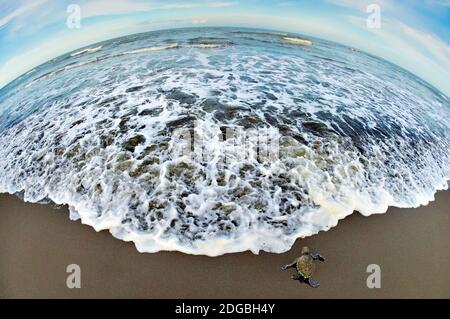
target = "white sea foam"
x: 88, y: 50
x: 100, y: 139
x: 153, y: 48
x: 206, y: 46
x: 298, y: 40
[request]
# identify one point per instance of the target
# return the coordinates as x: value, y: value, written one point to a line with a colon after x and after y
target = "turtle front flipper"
x: 312, y: 283
x: 291, y: 265
x: 316, y: 256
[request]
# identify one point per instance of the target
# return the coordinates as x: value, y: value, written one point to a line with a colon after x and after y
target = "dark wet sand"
x: 410, y: 245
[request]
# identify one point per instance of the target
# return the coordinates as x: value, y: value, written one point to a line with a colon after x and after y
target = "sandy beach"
x: 37, y: 242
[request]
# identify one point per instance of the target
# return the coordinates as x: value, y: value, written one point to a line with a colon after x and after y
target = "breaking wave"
x: 355, y: 134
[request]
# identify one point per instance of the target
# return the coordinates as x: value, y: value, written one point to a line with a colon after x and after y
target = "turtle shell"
x: 305, y: 266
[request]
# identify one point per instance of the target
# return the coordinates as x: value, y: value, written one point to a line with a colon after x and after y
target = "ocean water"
x: 97, y: 129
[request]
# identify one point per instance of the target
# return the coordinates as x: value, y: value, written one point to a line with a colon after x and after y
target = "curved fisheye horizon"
x: 414, y: 37
x: 295, y: 34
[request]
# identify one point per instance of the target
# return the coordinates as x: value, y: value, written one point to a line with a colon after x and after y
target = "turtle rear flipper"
x: 311, y: 282
x: 298, y: 277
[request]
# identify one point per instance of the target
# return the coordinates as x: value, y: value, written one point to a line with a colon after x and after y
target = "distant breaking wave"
x: 84, y: 51
x: 94, y: 129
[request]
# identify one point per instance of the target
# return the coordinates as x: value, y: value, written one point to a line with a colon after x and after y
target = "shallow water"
x: 98, y: 129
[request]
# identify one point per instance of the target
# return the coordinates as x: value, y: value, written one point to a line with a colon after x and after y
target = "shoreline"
x: 159, y: 247
x: 410, y: 245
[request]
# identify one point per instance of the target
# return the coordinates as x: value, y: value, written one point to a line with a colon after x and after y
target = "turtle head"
x: 305, y: 250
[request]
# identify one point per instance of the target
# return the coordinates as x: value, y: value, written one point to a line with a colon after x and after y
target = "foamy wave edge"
x: 255, y: 242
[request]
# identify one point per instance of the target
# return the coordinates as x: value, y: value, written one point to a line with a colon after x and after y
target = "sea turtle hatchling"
x: 305, y: 267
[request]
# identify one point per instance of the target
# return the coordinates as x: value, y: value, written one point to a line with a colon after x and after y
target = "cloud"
x: 59, y: 44
x: 362, y: 5
x: 29, y: 20
x: 395, y: 31
x: 116, y: 7
x: 443, y: 3
x: 121, y: 7
x: 351, y: 4
x: 420, y: 52
x: 409, y: 46
x: 197, y: 5
x: 439, y: 49
x: 94, y: 8
x: 24, y: 9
